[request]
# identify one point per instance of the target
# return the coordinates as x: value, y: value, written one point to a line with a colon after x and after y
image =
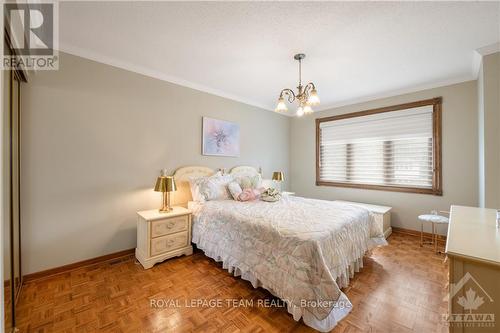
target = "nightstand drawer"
x: 169, y: 243
x: 169, y: 226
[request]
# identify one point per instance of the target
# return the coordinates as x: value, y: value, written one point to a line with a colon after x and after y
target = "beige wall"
x: 489, y: 131
x: 460, y: 151
x: 94, y: 140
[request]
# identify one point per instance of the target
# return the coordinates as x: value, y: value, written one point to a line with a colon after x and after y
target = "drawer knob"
x: 169, y: 242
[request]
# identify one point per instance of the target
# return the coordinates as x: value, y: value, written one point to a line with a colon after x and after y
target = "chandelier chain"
x: 300, y: 72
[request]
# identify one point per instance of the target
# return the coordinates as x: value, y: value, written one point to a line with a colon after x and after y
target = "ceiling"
x: 244, y: 50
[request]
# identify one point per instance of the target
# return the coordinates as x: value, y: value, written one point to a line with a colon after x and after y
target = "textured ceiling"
x: 244, y: 50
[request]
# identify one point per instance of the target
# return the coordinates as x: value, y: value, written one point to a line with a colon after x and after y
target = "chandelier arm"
x: 290, y: 94
x: 310, y: 86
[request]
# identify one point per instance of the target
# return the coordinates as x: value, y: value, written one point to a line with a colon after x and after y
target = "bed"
x: 301, y: 250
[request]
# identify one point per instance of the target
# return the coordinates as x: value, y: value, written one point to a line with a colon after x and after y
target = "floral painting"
x: 221, y: 138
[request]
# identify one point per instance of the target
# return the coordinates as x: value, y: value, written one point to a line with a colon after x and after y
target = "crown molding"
x: 489, y: 49
x: 477, y: 59
x: 399, y: 92
x: 480, y: 53
x: 66, y: 48
x: 391, y: 93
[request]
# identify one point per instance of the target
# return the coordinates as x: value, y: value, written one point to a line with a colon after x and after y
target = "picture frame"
x: 220, y: 138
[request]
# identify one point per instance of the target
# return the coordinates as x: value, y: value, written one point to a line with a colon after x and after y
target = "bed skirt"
x: 325, y: 325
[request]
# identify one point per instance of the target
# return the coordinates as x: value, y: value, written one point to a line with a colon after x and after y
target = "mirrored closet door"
x: 11, y: 179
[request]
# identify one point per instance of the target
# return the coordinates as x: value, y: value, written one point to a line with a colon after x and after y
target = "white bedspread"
x: 301, y: 250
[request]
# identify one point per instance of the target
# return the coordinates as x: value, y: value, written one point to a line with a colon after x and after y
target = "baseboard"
x: 427, y: 236
x: 66, y: 268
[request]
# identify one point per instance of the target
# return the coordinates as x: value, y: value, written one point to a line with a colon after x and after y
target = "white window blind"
x: 391, y: 149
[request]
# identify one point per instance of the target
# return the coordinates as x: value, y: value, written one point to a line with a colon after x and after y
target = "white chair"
x: 434, y: 220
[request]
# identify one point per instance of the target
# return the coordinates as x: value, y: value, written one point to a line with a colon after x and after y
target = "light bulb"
x: 307, y: 109
x: 313, y: 98
x: 300, y: 111
x: 281, y: 107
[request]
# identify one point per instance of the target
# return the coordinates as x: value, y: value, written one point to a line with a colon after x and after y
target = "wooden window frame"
x: 437, y: 181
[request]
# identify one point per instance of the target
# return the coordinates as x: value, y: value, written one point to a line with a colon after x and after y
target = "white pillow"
x: 218, y: 188
x: 210, y: 188
x: 195, y: 184
x: 234, y: 189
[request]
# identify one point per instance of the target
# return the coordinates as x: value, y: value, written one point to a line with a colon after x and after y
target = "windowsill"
x: 418, y: 190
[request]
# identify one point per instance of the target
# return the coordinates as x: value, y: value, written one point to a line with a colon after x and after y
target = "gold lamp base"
x: 165, y: 208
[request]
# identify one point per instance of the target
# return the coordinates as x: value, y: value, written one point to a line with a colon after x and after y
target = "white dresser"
x: 473, y: 251
x: 382, y: 215
x: 163, y: 235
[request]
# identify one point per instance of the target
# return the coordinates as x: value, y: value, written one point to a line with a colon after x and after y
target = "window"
x: 396, y: 148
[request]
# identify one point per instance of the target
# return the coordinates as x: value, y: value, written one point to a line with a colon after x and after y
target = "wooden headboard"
x: 181, y: 177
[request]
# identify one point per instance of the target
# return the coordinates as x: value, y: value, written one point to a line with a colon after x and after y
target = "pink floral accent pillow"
x: 250, y: 194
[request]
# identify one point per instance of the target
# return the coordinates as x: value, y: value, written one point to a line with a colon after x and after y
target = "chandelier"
x: 306, y: 96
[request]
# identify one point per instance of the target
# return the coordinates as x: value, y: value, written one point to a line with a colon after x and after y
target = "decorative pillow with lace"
x: 210, y: 188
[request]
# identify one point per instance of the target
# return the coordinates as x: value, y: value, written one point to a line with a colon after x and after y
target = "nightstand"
x: 162, y: 235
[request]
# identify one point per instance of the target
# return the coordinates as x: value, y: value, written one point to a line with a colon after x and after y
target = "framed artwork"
x: 220, y: 138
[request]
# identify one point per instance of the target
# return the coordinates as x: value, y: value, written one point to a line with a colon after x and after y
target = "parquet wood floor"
x: 400, y: 289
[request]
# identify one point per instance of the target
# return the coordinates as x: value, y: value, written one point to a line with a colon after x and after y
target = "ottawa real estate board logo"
x: 31, y: 30
x: 469, y: 300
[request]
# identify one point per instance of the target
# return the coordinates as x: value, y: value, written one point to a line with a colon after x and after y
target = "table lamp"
x: 165, y: 185
x: 278, y: 177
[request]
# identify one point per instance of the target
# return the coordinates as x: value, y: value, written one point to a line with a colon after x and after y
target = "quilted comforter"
x: 302, y: 250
